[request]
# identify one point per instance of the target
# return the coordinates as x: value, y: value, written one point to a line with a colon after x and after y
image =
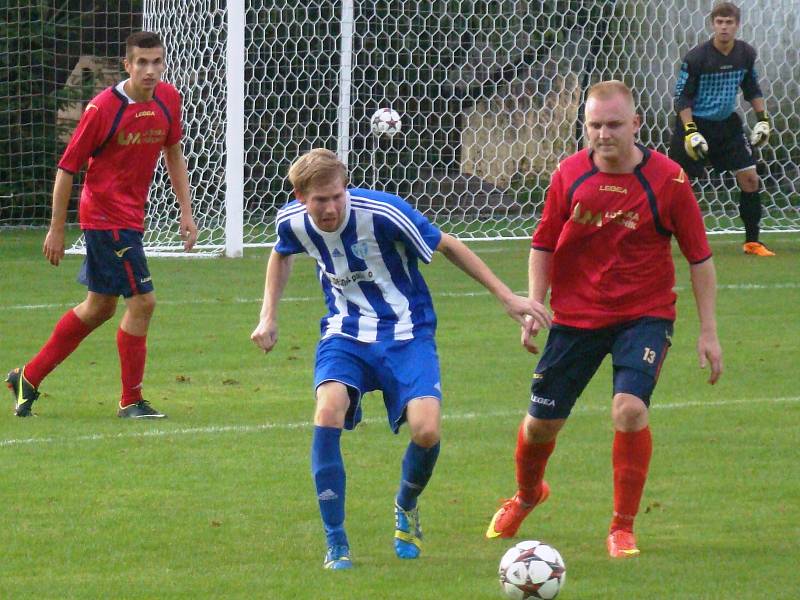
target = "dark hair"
x: 725, y: 9
x: 142, y: 39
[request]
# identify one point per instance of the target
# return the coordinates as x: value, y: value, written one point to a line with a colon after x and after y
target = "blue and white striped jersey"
x: 368, y: 268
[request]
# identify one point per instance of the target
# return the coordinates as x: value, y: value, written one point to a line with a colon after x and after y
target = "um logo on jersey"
x: 584, y: 216
x: 151, y: 136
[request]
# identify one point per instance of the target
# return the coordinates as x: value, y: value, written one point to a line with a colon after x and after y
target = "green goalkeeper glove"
x: 760, y: 134
x: 693, y: 141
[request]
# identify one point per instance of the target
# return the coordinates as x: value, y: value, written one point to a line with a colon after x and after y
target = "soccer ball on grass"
x: 532, y: 570
x: 385, y: 121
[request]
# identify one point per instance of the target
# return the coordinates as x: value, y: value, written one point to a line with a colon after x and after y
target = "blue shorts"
x: 115, y: 263
x: 403, y: 370
x: 572, y: 356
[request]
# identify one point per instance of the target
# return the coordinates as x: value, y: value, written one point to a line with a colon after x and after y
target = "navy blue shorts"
x: 572, y: 356
x: 403, y: 370
x: 115, y: 263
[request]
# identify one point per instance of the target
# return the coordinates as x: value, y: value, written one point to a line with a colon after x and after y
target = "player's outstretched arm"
x: 517, y: 307
x: 53, y: 247
x: 279, y: 267
x: 704, y: 286
x: 539, y: 264
x: 179, y: 176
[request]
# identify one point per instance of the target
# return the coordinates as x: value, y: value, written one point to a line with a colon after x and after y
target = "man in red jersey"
x: 603, y: 247
x: 121, y: 134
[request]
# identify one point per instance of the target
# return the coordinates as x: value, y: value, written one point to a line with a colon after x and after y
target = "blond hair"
x: 608, y: 89
x: 318, y: 166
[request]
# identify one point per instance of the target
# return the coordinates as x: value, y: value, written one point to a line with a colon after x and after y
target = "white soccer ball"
x: 385, y: 121
x: 532, y: 570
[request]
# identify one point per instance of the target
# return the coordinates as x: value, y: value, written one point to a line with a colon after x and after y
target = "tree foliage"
x: 40, y: 43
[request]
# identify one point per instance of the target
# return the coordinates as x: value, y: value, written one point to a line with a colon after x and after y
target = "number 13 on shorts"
x: 649, y: 356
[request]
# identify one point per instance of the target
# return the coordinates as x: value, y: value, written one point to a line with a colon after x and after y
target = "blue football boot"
x: 407, y: 532
x: 337, y: 557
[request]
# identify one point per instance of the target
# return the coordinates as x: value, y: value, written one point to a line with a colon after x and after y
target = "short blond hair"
x: 314, y: 167
x: 608, y: 89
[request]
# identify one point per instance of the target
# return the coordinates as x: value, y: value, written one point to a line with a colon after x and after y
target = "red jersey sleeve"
x: 555, y: 214
x: 175, y: 132
x: 86, y: 138
x: 687, y: 220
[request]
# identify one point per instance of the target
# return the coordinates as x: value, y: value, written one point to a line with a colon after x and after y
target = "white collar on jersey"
x: 338, y: 231
x: 120, y: 87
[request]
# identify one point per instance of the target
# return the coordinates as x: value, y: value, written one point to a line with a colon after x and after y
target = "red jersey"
x: 122, y: 142
x: 610, y: 237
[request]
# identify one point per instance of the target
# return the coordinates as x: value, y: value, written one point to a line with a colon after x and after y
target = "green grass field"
x: 218, y: 502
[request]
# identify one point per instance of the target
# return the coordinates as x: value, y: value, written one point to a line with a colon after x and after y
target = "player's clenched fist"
x: 265, y: 335
x: 695, y: 144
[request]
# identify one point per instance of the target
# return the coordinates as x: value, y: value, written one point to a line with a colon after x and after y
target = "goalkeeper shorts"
x: 728, y: 146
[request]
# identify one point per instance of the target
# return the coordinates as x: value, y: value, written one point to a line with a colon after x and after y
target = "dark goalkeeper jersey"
x: 709, y: 80
x: 610, y: 237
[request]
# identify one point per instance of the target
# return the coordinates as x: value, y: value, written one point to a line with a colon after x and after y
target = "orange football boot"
x: 622, y: 544
x: 512, y: 513
x: 757, y: 249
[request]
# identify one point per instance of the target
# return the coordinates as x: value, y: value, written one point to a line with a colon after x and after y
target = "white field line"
x: 734, y: 287
x: 468, y: 416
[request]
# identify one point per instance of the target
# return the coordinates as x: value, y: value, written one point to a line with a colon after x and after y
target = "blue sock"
x: 418, y: 464
x: 328, y: 470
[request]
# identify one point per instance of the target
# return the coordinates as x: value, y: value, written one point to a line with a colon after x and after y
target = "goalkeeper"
x: 707, y: 125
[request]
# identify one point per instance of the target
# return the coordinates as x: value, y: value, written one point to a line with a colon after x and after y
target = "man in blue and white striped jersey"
x: 379, y: 330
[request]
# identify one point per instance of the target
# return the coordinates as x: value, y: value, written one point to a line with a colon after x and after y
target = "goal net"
x: 490, y: 94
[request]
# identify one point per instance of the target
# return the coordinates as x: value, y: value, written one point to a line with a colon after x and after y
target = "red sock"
x: 531, y: 460
x: 68, y: 333
x: 132, y: 354
x: 631, y: 459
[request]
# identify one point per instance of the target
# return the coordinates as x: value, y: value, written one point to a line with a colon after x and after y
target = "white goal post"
x: 490, y: 94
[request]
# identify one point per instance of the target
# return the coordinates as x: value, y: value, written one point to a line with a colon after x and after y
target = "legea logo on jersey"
x: 145, y: 113
x: 345, y: 279
x: 360, y: 249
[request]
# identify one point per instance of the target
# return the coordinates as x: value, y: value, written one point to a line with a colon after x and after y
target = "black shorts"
x: 728, y: 147
x: 115, y: 263
x: 572, y: 356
